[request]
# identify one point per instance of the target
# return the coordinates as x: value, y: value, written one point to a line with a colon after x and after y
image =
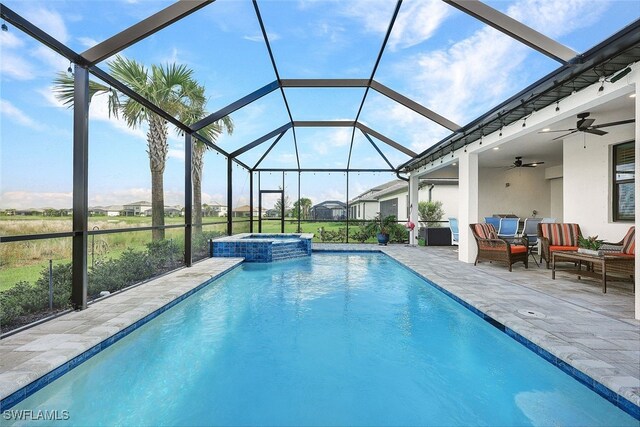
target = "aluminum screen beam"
x: 307, y: 170
x: 259, y: 141
x: 390, y: 142
x: 412, y: 105
x: 324, y: 124
x: 142, y: 29
x: 326, y: 83
x: 515, y: 29
x: 377, y: 149
x: 246, y: 100
x: 268, y: 150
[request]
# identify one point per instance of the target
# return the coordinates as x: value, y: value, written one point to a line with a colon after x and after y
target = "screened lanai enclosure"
x: 133, y: 133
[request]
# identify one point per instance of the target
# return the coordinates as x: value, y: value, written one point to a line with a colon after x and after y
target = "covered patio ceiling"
x: 382, y: 80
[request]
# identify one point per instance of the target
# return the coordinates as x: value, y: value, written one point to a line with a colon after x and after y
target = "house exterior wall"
x: 557, y: 205
x: 447, y: 194
x: 527, y: 190
x: 367, y: 210
x: 587, y: 182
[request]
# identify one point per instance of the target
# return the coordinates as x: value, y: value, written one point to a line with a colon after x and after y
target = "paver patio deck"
x: 593, y: 332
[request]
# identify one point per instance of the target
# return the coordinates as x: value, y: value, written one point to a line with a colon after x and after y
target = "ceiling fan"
x: 586, y: 125
x: 518, y: 164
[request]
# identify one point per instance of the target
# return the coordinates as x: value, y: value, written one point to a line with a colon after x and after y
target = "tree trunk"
x: 157, y: 149
x: 198, y: 166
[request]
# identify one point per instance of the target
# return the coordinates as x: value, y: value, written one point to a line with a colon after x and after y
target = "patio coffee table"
x: 590, y: 261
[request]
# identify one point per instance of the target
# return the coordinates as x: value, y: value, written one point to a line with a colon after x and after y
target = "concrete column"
x: 467, y: 204
x: 413, y: 208
x: 637, y: 184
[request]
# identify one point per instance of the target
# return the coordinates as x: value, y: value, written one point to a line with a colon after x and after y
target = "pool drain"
x: 532, y: 313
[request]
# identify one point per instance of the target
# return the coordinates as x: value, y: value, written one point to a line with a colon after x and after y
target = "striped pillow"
x: 561, y: 234
x: 629, y: 242
x: 485, y: 231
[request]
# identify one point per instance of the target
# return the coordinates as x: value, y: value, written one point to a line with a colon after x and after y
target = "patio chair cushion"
x: 629, y: 242
x: 485, y: 231
x: 561, y: 234
x: 515, y: 249
x: 554, y: 248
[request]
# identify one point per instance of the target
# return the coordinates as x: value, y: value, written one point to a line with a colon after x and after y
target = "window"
x: 623, y: 182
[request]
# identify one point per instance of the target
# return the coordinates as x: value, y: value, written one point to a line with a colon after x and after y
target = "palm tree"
x: 211, y: 133
x: 169, y: 87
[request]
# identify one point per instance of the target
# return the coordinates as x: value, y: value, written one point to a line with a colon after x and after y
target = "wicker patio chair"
x: 625, y: 249
x: 491, y: 248
x: 558, y: 237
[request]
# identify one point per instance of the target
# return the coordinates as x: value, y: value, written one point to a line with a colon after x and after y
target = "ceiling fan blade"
x: 562, y: 136
x: 605, y: 125
x: 559, y: 130
x: 596, y: 131
x: 532, y: 165
x: 584, y: 123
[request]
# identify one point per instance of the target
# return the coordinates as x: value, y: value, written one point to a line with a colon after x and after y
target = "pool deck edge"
x: 33, y: 358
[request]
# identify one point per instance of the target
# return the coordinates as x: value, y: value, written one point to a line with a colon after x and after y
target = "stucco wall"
x: 587, y: 182
x: 447, y: 194
x: 527, y: 190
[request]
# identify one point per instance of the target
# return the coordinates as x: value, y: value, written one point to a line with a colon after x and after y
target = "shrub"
x: 115, y: 274
x: 360, y: 234
x: 430, y: 212
x: 165, y: 255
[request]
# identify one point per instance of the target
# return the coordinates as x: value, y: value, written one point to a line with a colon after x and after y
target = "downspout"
x: 430, y: 190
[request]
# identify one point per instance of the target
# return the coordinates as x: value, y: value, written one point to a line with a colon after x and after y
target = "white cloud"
x: 417, y: 21
x: 554, y: 18
x: 16, y: 67
x: 35, y: 199
x: 175, y: 153
x: 87, y: 42
x: 7, y: 109
x: 51, y: 22
x: 8, y: 40
x: 259, y: 39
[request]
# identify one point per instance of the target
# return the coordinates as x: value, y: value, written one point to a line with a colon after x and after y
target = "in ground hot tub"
x: 256, y: 247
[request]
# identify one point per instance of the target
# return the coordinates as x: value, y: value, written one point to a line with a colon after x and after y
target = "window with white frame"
x: 624, y: 182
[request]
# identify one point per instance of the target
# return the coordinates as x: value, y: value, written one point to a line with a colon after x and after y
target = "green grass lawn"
x: 25, y: 261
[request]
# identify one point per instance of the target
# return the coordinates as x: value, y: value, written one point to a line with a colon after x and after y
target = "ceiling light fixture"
x: 633, y: 95
x: 496, y: 148
x: 454, y: 164
x: 546, y: 130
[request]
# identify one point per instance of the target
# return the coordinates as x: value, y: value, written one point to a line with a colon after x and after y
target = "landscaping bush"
x: 24, y: 298
x: 115, y: 274
x: 360, y: 234
x: 165, y: 255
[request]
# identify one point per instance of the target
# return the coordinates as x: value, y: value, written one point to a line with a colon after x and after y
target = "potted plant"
x: 434, y: 235
x: 381, y: 228
x: 590, y: 246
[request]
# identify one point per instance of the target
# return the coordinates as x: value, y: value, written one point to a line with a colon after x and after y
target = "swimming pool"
x: 349, y: 339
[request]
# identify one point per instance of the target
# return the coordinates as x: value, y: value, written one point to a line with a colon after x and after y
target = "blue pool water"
x: 333, y: 339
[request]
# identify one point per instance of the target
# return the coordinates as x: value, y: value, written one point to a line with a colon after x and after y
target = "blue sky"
x: 436, y: 55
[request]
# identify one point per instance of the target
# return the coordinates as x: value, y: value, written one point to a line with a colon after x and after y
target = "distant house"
x: 135, y: 209
x: 214, y: 209
x: 243, y: 211
x: 176, y: 210
x: 329, y: 210
x: 29, y: 211
x: 113, y: 210
x: 366, y: 206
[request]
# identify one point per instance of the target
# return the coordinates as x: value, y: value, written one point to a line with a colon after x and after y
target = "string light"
x: 4, y: 27
x: 557, y: 106
x: 70, y: 70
